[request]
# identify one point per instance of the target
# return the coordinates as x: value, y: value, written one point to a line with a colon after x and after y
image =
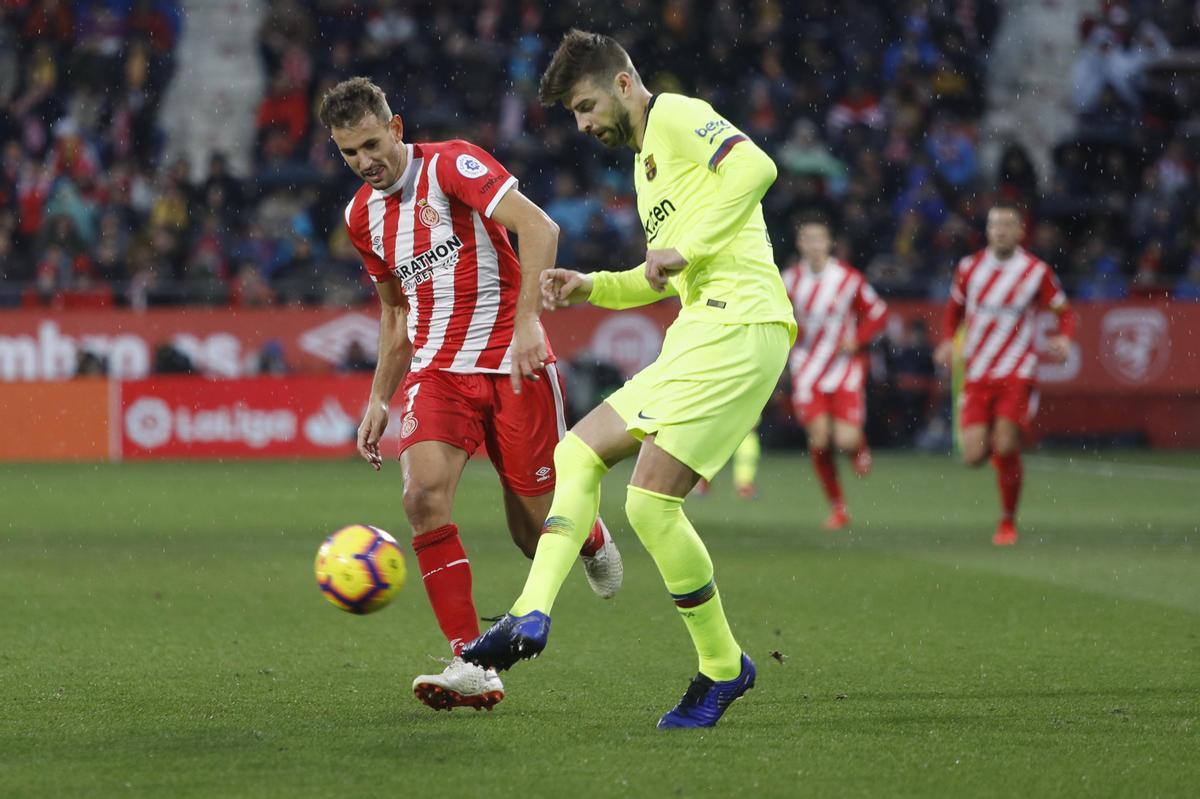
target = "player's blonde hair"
x: 349, y: 101
x: 582, y: 55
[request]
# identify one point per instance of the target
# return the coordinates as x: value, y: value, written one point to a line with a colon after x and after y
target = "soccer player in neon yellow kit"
x: 699, y: 183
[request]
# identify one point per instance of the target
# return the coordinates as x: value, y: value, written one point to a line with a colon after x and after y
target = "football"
x: 359, y: 568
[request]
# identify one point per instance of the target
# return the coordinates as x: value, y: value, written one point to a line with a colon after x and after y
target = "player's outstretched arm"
x: 395, y: 355
x: 537, y: 241
x: 629, y: 288
x: 563, y: 287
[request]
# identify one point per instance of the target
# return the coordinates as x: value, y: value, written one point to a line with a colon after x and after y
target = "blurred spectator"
x: 913, y: 378
x: 1105, y: 281
x: 170, y: 360
x: 357, y: 359
x: 270, y: 359
x: 1188, y: 286
x: 89, y: 364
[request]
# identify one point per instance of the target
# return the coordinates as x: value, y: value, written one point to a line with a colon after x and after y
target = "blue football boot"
x: 511, y: 639
x: 706, y: 700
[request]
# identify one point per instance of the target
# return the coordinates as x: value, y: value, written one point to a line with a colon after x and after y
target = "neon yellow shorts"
x: 706, y: 390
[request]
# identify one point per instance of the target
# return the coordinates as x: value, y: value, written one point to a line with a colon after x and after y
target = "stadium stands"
x: 153, y: 153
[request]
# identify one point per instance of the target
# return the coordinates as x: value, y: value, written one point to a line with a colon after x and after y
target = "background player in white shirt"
x: 996, y: 294
x: 839, y: 314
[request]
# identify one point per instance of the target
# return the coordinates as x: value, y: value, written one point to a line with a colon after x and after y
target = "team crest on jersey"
x: 470, y: 167
x: 428, y: 215
x: 651, y: 167
x: 408, y: 426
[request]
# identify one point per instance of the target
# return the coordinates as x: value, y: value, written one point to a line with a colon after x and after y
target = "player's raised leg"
x: 654, y: 505
x: 521, y: 434
x: 599, y: 553
x: 432, y: 470
x: 581, y: 460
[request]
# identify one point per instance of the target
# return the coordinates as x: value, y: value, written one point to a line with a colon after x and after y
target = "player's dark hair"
x: 581, y: 55
x: 1010, y: 205
x: 814, y: 218
x: 348, y: 102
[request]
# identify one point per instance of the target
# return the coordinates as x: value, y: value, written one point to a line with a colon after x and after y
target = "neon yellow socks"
x: 572, y: 514
x: 687, y: 570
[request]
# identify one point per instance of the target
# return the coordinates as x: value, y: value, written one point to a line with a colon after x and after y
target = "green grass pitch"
x: 161, y: 635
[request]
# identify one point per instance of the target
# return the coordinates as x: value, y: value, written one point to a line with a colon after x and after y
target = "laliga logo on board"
x: 150, y: 423
x: 1134, y: 344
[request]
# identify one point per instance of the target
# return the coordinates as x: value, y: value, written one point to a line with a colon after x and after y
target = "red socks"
x: 447, y: 576
x: 1009, y: 476
x: 594, y: 541
x: 823, y: 463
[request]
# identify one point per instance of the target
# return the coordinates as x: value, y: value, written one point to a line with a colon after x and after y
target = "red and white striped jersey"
x: 432, y: 230
x: 998, y: 299
x: 830, y: 305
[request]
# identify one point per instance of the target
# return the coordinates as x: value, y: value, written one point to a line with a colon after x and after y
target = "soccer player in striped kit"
x: 460, y: 338
x: 838, y: 314
x: 996, y: 293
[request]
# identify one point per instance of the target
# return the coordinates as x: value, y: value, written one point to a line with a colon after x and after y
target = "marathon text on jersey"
x: 416, y: 271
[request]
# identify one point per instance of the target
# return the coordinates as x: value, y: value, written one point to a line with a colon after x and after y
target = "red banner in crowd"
x: 39, y: 345
x: 1134, y: 368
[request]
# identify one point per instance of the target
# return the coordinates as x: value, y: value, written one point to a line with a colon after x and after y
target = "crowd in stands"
x: 872, y: 111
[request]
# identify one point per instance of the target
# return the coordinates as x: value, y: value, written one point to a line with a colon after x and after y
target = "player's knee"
x: 647, y: 511
x: 850, y: 441
x: 974, y: 455
x: 1005, y: 445
x: 426, y: 507
x: 573, y: 458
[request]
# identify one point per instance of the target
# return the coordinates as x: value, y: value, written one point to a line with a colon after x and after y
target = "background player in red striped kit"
x: 459, y: 327
x: 996, y: 292
x: 838, y: 313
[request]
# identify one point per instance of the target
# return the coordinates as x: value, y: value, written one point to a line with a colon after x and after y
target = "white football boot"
x: 604, y: 570
x: 460, y: 684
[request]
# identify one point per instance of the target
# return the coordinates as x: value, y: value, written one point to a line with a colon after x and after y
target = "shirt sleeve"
x: 702, y: 136
x: 956, y: 304
x: 1050, y: 292
x: 958, y: 285
x: 871, y: 313
x: 626, y: 289
x: 358, y: 234
x: 471, y: 175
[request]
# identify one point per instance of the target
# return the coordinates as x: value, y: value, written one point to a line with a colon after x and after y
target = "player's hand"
x: 563, y: 287
x: 370, y: 431
x: 850, y: 345
x: 944, y: 353
x: 660, y: 265
x: 528, y: 352
x: 1058, y: 349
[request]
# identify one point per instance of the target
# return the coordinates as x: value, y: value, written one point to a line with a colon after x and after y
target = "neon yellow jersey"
x: 691, y: 158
